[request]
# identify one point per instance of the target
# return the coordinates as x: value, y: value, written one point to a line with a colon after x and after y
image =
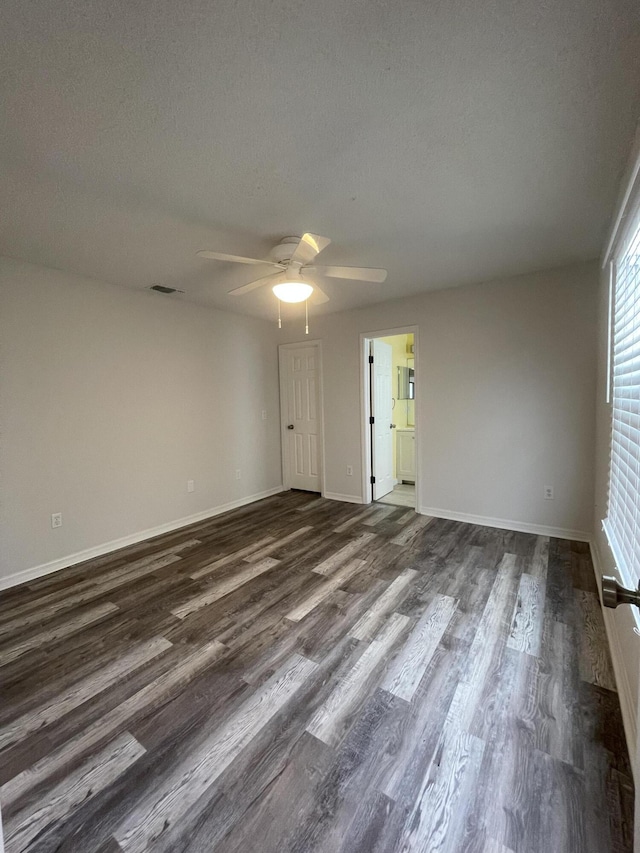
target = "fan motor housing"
x: 285, y: 248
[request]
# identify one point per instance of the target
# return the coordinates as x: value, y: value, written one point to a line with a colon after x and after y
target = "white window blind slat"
x: 622, y: 524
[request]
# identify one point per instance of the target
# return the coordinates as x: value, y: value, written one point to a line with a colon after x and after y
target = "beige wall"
x: 111, y: 400
x: 505, y: 396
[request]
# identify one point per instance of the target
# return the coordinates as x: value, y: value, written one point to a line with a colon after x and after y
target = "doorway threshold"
x: 404, y: 494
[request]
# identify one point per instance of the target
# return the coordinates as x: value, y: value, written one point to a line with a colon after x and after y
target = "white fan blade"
x: 309, y: 246
x: 355, y: 273
x: 236, y: 259
x: 253, y: 285
x: 318, y: 297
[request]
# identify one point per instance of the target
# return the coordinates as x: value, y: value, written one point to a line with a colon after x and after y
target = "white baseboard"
x: 627, y: 700
x: 106, y: 548
x: 350, y: 499
x: 506, y: 524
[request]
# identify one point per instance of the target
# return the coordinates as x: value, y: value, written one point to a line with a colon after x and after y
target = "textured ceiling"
x: 447, y: 141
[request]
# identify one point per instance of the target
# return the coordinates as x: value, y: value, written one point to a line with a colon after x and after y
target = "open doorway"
x: 389, y: 422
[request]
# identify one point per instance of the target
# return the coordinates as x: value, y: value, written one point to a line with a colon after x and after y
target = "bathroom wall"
x: 398, y: 343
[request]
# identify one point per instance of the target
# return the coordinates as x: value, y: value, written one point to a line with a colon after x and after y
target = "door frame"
x: 365, y: 407
x: 284, y: 406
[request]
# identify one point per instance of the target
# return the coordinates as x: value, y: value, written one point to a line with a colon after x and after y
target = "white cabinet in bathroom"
x: 406, y: 455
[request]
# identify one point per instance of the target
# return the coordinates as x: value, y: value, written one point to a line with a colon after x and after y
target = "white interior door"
x: 381, y: 409
x: 299, y: 382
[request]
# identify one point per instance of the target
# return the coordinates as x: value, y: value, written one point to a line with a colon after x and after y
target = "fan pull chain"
x: 306, y: 307
x: 279, y: 317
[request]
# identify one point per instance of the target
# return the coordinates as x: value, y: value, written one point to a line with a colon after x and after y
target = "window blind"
x: 622, y: 524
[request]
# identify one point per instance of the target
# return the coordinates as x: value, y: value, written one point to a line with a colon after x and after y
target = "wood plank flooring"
x: 306, y: 676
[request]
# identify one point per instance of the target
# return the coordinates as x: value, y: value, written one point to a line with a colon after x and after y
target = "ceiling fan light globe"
x: 292, y: 291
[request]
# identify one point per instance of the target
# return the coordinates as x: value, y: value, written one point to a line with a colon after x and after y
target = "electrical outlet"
x: 238, y: 473
x: 349, y: 470
x: 264, y: 414
x: 191, y: 485
x: 56, y: 520
x: 548, y: 493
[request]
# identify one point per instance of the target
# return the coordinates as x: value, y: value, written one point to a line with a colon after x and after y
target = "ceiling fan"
x: 291, y: 259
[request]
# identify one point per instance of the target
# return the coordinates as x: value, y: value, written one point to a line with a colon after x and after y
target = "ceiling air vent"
x: 160, y: 288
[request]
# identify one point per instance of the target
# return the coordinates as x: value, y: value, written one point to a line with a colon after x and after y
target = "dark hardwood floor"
x: 303, y: 675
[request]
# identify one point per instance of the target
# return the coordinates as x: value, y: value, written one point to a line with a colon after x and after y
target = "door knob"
x: 392, y: 426
x: 614, y: 594
x: 290, y: 426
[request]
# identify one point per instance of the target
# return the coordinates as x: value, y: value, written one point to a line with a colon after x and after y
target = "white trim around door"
x: 283, y: 351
